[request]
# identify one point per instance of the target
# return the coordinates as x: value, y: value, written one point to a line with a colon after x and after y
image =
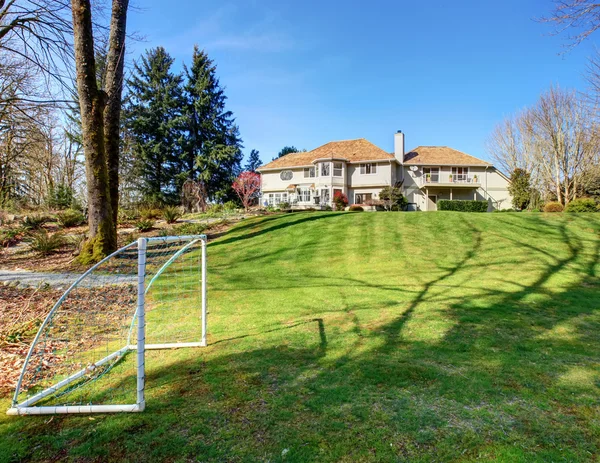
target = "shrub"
x: 150, y: 213
x: 70, y: 218
x: 462, y: 206
x: 340, y: 200
x: 328, y: 208
x: 355, y: 208
x: 10, y: 236
x: 284, y: 206
x: 191, y: 229
x: 392, y: 198
x: 35, y: 221
x: 44, y: 243
x: 553, y: 207
x: 128, y: 215
x: 582, y: 205
x: 230, y: 206
x: 144, y: 225
x: 171, y: 214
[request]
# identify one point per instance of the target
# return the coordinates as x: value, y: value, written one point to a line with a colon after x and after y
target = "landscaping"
x: 370, y: 337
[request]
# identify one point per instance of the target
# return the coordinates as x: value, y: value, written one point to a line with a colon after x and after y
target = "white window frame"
x: 323, y: 166
x: 275, y: 199
x: 304, y: 195
x: 369, y: 166
x: 361, y: 195
x: 339, y: 169
x: 309, y: 172
x: 429, y: 170
x: 464, y: 175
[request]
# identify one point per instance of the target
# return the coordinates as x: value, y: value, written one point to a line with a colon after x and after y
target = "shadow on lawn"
x: 493, y: 378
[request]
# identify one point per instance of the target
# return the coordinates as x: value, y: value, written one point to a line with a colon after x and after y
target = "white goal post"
x: 101, y: 320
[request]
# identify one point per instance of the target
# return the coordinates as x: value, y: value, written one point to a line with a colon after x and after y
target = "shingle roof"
x: 441, y: 155
x: 351, y: 150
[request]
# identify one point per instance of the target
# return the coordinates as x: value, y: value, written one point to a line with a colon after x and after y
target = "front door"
x: 432, y: 202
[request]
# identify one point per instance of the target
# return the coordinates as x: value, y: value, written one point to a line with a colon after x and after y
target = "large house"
x: 359, y: 169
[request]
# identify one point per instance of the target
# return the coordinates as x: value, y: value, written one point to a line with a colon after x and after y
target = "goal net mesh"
x: 85, y: 351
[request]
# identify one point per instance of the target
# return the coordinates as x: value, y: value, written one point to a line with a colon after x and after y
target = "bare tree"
x: 555, y: 141
x: 581, y: 16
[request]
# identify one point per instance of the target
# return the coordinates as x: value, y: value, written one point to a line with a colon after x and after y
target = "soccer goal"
x: 89, y: 354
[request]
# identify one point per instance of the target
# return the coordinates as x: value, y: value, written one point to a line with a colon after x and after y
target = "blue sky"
x: 305, y: 73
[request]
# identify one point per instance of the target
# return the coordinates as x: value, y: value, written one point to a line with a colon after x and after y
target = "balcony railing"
x: 449, y: 179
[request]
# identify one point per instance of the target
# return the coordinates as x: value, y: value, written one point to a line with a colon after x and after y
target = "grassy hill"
x: 371, y: 337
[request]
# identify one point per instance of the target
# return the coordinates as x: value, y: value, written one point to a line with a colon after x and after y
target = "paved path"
x: 25, y: 278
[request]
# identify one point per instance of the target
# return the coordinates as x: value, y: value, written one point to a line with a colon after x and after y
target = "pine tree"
x: 253, y: 162
x: 287, y: 150
x: 213, y: 146
x: 520, y: 188
x: 154, y: 119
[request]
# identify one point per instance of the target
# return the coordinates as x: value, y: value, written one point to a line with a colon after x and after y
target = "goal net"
x: 89, y: 354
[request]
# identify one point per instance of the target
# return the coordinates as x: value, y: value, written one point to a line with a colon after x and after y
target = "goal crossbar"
x: 26, y: 406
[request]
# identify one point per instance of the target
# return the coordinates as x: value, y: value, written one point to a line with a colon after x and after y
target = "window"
x: 286, y: 175
x: 460, y: 174
x: 368, y: 169
x: 325, y: 195
x: 277, y: 198
x: 362, y: 198
x: 309, y: 172
x: 303, y: 195
x: 325, y: 170
x: 431, y: 174
x: 337, y: 169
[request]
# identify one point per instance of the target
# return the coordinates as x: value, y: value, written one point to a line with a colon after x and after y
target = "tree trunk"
x: 102, y: 238
x: 114, y: 89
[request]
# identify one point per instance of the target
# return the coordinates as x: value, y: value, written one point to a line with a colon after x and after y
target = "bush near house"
x: 355, y: 208
x: 553, y: 207
x: 462, y: 206
x: 340, y: 200
x: 582, y: 205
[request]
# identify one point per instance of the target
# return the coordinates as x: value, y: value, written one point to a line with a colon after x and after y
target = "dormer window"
x: 309, y: 172
x: 368, y: 169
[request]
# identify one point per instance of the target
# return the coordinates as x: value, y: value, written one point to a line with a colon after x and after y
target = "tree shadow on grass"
x: 515, y: 371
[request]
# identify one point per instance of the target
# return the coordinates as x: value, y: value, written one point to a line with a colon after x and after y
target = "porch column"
x: 474, y: 195
x: 450, y: 194
x: 426, y: 199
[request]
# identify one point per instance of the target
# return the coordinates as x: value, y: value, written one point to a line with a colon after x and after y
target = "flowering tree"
x: 340, y: 200
x: 247, y: 185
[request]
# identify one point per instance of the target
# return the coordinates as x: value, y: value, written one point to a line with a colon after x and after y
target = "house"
x: 360, y: 170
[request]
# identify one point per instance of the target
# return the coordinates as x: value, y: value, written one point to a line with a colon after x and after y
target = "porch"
x: 433, y: 193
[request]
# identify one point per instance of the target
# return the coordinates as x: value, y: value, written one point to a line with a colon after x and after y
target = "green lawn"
x: 371, y: 337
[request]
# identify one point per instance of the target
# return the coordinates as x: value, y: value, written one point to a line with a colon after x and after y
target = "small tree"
x: 392, y: 198
x: 520, y: 188
x: 253, y: 162
x: 247, y: 185
x: 340, y: 200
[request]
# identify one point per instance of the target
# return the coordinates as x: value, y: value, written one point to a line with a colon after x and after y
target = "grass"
x: 371, y: 337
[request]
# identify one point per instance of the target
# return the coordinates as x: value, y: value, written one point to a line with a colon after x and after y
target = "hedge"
x: 462, y: 206
x: 582, y: 205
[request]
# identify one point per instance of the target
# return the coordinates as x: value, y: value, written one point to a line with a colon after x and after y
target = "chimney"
x: 399, y: 146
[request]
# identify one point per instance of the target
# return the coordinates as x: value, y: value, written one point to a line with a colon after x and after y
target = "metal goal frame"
x: 27, y: 407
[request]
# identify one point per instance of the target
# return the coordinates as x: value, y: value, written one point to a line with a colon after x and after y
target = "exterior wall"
x: 353, y: 191
x: 493, y: 186
x: 382, y: 177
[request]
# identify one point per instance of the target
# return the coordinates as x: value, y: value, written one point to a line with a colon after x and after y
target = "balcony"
x: 449, y: 180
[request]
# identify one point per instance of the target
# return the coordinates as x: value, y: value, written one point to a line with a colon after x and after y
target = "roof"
x: 441, y: 155
x: 349, y: 150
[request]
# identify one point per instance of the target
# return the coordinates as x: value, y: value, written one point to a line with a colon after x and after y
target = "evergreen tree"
x: 253, y: 162
x: 287, y: 150
x: 520, y: 188
x: 154, y: 121
x: 212, y: 153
